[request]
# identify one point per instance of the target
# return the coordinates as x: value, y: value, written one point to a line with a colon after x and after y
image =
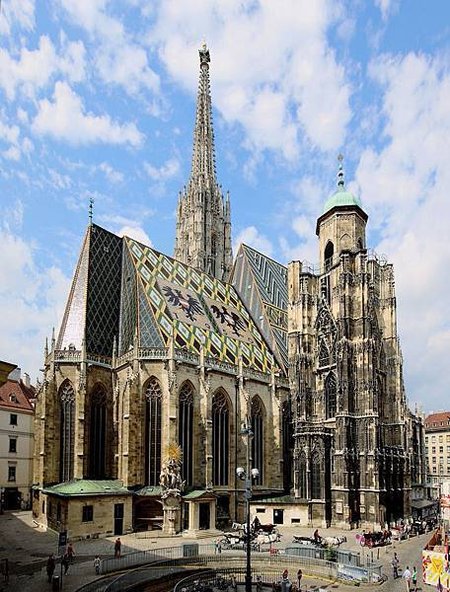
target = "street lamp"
x: 248, y: 475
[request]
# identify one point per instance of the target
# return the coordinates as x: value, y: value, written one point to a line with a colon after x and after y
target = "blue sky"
x: 98, y: 100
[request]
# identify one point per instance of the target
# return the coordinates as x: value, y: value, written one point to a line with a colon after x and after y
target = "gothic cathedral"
x: 169, y: 373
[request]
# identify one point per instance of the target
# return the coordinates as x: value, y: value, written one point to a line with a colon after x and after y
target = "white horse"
x: 333, y: 541
x: 268, y: 539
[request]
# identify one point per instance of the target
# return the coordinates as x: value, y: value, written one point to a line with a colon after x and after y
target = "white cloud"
x: 118, y: 58
x: 136, y: 233
x: 166, y: 171
x: 10, y: 135
x: 66, y: 119
x: 18, y: 13
x: 387, y: 7
x: 252, y: 237
x: 110, y: 173
x: 405, y: 187
x: 33, y: 69
x: 32, y: 301
x: 274, y: 72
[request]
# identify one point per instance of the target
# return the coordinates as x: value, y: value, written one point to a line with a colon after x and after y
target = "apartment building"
x: 16, y: 441
x: 437, y: 446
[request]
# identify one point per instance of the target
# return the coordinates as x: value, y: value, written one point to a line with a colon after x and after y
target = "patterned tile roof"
x: 262, y: 284
x: 195, y: 309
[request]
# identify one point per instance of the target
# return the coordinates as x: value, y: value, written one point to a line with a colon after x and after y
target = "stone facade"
x: 358, y: 448
x: 203, y: 233
x: 155, y: 353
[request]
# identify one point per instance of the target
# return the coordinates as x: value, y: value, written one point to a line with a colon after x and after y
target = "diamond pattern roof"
x: 262, y: 285
x: 195, y: 309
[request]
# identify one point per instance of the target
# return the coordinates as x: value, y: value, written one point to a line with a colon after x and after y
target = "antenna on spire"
x: 91, y: 209
x: 340, y: 174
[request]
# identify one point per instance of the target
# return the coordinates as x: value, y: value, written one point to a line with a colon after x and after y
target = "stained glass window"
x: 153, y: 396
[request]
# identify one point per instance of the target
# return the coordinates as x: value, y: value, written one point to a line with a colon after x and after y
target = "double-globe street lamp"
x: 248, y: 476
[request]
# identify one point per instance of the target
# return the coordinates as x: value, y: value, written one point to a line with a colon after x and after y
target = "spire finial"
x: 340, y: 174
x: 204, y: 54
x: 91, y: 209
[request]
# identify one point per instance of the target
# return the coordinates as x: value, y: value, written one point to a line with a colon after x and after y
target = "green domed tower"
x: 342, y: 225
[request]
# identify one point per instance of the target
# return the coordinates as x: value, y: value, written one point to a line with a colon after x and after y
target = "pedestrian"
x: 395, y: 563
x: 70, y: 551
x: 50, y: 567
x: 407, y: 577
x: 65, y: 563
x: 414, y: 578
x: 316, y: 535
x: 97, y: 563
x: 219, y: 547
x: 299, y: 579
x: 117, y: 548
x: 258, y: 583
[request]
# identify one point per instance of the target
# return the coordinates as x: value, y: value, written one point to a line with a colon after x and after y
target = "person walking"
x: 70, y: 552
x: 395, y: 563
x: 65, y: 563
x: 299, y: 579
x: 414, y: 579
x: 97, y: 563
x: 407, y: 577
x: 117, y: 548
x: 50, y: 567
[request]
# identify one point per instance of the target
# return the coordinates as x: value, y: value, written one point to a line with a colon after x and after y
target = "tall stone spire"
x: 203, y: 232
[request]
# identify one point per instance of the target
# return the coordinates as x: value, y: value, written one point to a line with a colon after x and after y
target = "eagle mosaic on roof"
x: 198, y: 311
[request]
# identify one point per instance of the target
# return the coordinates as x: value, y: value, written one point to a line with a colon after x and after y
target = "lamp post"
x: 248, y: 475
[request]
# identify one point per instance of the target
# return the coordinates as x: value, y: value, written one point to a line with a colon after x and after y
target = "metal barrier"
x: 269, y: 568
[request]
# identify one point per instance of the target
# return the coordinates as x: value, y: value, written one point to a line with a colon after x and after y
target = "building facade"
x: 16, y: 442
x: 189, y: 354
x: 358, y: 448
x: 437, y: 447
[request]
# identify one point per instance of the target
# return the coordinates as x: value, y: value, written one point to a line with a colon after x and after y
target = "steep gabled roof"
x: 262, y: 284
x: 171, y: 301
x: 15, y: 395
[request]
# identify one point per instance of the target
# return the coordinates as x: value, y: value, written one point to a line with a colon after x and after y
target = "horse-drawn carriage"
x: 374, y: 539
x: 260, y: 535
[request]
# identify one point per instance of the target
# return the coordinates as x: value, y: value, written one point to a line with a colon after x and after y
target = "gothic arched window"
x: 316, y: 476
x: 97, y: 433
x: 302, y: 477
x: 153, y: 403
x: 220, y: 438
x: 324, y: 356
x: 287, y: 445
x: 257, y: 420
x: 185, y: 429
x: 330, y: 395
x: 328, y: 255
x: 67, y: 431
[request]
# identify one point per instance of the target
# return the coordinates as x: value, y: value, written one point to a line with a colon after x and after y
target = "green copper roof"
x: 341, y: 198
x: 198, y: 493
x: 78, y: 487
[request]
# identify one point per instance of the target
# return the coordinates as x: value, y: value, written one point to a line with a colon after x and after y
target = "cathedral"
x: 169, y: 373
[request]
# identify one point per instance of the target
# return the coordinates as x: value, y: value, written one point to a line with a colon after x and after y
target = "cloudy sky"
x: 97, y: 99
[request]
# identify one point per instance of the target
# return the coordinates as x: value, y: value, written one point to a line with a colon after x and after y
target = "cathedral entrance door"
x: 204, y: 517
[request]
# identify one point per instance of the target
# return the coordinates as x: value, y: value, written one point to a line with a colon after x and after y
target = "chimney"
x: 26, y: 380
